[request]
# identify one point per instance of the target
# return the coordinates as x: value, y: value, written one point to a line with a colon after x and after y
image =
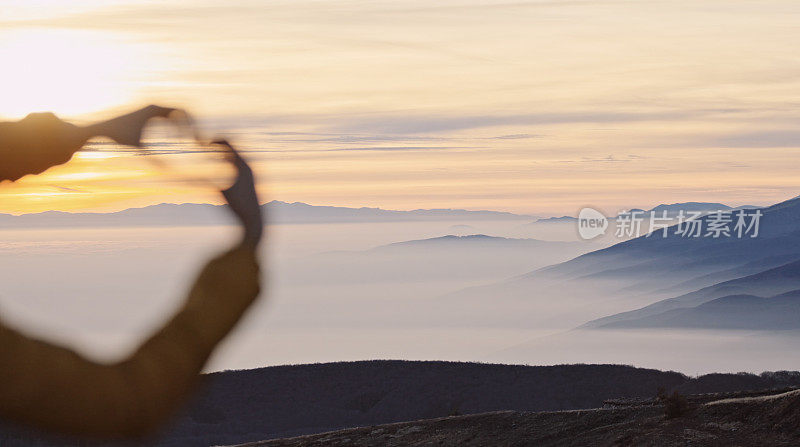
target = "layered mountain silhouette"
x: 473, y: 240
x: 785, y: 278
x: 450, y: 257
x: 278, y: 212
x: 554, y: 220
x: 642, y: 271
x: 748, y: 312
x: 672, y: 210
x: 690, y: 206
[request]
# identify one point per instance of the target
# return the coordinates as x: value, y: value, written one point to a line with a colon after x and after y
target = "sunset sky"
x: 533, y: 106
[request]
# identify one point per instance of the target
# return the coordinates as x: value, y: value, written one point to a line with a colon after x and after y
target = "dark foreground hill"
x: 758, y: 421
x: 283, y: 401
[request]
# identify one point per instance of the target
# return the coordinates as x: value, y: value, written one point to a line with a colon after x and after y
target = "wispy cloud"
x: 774, y: 138
x: 65, y: 189
x: 423, y: 124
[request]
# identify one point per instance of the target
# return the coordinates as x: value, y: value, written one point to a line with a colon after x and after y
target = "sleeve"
x: 57, y: 389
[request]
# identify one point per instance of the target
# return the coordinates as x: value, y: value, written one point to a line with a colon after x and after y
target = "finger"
x: 242, y: 197
x: 127, y: 129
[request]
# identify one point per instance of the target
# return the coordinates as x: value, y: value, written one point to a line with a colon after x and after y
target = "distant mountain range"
x: 672, y: 210
x: 747, y: 312
x: 278, y: 212
x: 765, y: 266
x: 554, y: 220
x: 690, y: 206
x: 189, y: 214
x: 477, y: 241
x: 782, y: 279
x: 472, y: 257
x: 639, y: 272
x: 652, y: 263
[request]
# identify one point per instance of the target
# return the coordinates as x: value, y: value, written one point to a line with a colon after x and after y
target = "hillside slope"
x: 747, y: 312
x: 276, y: 402
x: 758, y: 421
x: 771, y: 282
x: 629, y: 275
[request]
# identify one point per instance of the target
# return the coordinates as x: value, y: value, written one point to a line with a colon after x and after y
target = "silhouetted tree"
x: 675, y: 405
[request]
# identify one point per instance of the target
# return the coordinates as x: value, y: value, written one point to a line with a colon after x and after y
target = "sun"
x: 68, y: 72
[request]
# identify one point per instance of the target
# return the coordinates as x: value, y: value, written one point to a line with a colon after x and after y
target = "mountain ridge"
x: 732, y: 312
x: 782, y: 279
x: 278, y: 212
x: 629, y: 275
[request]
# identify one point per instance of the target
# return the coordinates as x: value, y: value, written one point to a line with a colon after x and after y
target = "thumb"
x: 127, y: 129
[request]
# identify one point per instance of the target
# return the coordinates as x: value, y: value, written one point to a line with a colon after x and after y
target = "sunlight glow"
x: 538, y: 107
x: 79, y: 176
x: 95, y: 155
x: 69, y: 72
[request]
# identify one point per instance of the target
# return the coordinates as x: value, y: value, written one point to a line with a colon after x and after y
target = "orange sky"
x: 535, y: 106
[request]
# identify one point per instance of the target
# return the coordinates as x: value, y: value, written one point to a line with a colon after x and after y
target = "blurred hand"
x: 242, y: 197
x: 42, y: 140
x: 36, y: 143
x: 127, y: 129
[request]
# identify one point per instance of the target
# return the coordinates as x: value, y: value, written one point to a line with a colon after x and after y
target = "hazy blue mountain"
x: 703, y: 207
x: 277, y: 211
x: 672, y: 210
x: 747, y: 312
x: 631, y: 212
x: 555, y: 220
x: 633, y: 274
x: 299, y: 212
x: 462, y: 228
x: 448, y: 257
x: 647, y: 262
x: 477, y: 241
x: 162, y: 214
x: 739, y: 271
x: 767, y: 283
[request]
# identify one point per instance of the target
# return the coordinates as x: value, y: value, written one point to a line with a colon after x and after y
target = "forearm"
x: 42, y: 140
x: 39, y: 141
x: 57, y: 389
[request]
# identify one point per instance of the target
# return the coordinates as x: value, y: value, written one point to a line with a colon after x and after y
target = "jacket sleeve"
x: 54, y: 388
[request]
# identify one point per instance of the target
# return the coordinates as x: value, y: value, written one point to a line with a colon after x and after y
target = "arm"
x: 37, y: 142
x: 54, y: 388
x: 42, y: 140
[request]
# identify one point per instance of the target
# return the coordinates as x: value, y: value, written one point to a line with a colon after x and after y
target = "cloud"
x: 611, y: 158
x: 755, y: 139
x: 518, y: 136
x: 393, y: 148
x: 148, y: 151
x: 65, y: 189
x: 411, y: 125
x: 422, y: 124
